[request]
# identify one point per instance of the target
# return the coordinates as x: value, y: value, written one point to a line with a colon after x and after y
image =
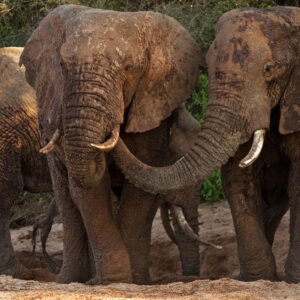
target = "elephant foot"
x: 141, y: 278
x: 41, y: 274
x: 243, y: 276
x: 291, y: 276
x: 292, y: 269
x: 68, y: 275
x: 17, y: 270
x: 290, y: 279
x: 115, y: 267
x: 93, y: 281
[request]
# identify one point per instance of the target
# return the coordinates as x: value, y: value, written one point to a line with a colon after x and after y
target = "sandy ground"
x: 218, y: 267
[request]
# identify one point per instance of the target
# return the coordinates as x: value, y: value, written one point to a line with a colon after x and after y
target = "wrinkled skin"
x: 254, y: 75
x: 22, y: 167
x: 94, y: 71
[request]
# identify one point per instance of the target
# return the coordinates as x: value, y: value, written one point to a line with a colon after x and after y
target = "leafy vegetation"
x: 37, y: 197
x: 18, y: 18
x: 211, y: 189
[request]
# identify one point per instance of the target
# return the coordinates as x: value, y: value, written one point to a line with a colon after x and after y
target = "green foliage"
x: 196, y: 105
x: 211, y: 190
x: 25, y: 196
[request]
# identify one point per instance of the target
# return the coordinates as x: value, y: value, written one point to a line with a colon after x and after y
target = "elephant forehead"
x: 93, y: 32
x: 258, y: 24
x: 232, y: 48
x: 248, y: 34
x: 244, y: 17
x: 270, y: 34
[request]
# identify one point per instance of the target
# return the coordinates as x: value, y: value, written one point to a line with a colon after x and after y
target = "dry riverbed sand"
x: 218, y: 267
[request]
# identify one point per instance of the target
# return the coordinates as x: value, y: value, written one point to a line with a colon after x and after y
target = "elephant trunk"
x: 80, y: 133
x: 90, y: 115
x: 216, y: 142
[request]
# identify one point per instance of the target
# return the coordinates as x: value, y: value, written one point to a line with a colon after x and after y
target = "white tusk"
x: 111, y: 142
x: 257, y: 145
x: 184, y: 225
x: 50, y: 146
x: 164, y: 214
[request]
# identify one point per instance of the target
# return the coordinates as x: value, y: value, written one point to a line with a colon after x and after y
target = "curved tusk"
x: 50, y: 146
x: 257, y: 145
x: 164, y: 214
x: 111, y: 142
x: 184, y: 225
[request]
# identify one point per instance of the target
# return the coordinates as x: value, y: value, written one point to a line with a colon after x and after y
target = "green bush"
x: 211, y: 190
x: 196, y: 104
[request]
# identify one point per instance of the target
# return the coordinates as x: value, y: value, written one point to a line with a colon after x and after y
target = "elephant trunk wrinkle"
x: 97, y: 80
x: 205, y: 157
x: 91, y: 122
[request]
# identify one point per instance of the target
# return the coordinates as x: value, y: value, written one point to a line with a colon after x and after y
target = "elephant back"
x: 15, y: 92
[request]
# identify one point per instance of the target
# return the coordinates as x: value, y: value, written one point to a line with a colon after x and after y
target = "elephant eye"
x: 128, y: 67
x: 268, y: 70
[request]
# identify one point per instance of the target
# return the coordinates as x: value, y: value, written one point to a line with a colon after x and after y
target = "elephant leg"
x: 76, y: 267
x: 292, y: 267
x: 44, y: 226
x: 9, y: 265
x: 242, y: 189
x: 188, y: 249
x: 277, y: 206
x: 137, y: 212
x: 11, y: 185
x: 109, y: 251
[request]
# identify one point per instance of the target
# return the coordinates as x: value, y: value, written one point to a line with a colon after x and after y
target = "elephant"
x: 253, y: 68
x: 101, y: 76
x: 182, y: 132
x: 22, y: 167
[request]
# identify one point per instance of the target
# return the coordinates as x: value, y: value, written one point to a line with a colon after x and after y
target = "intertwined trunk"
x: 216, y: 142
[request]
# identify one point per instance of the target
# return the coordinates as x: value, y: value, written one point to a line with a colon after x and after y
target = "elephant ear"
x: 290, y: 104
x: 173, y: 70
x: 41, y: 57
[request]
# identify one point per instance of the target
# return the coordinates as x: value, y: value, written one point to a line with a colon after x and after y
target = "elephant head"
x: 253, y: 66
x: 91, y: 67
